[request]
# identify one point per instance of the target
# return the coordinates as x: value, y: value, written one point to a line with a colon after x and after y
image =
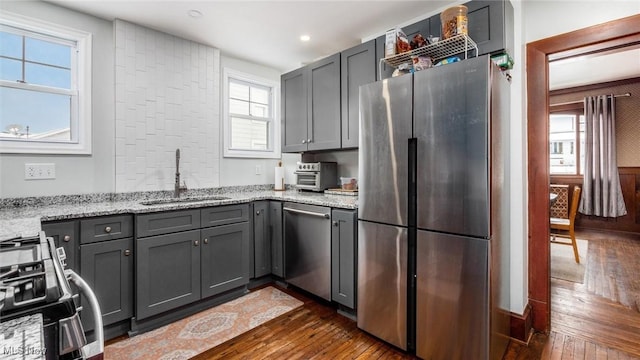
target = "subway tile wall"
x: 167, y: 97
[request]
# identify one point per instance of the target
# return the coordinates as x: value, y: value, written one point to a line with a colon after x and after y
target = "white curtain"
x: 601, y: 192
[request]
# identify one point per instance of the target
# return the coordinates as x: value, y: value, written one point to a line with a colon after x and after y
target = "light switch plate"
x: 39, y: 171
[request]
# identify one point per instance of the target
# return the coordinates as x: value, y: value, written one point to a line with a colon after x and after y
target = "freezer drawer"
x: 452, y: 297
x: 382, y: 282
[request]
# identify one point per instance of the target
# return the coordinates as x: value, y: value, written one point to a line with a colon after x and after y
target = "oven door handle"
x: 95, y: 348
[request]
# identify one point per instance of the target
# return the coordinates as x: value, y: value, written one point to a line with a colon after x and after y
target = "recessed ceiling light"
x: 194, y: 13
x: 305, y: 38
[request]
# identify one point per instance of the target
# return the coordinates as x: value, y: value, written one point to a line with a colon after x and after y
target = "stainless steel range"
x: 33, y: 280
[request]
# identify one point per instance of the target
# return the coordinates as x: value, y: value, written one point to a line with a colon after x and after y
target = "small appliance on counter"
x: 316, y: 176
x: 33, y: 281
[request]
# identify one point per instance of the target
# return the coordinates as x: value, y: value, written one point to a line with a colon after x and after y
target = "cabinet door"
x: 323, y: 126
x: 491, y: 25
x: 294, y: 110
x: 277, y: 240
x: 64, y: 234
x: 358, y: 68
x: 261, y: 238
x: 108, y: 268
x: 343, y: 257
x: 225, y: 258
x: 168, y: 272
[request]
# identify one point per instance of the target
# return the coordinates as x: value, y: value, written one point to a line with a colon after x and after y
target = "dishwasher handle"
x: 312, y: 213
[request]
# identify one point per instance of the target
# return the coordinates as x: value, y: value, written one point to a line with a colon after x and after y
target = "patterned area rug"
x: 202, y: 331
x: 563, y: 263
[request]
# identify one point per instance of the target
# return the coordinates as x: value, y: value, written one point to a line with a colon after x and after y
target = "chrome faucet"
x: 177, y: 187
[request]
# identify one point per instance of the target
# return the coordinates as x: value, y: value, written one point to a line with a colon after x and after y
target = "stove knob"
x: 107, y: 229
x: 66, y: 238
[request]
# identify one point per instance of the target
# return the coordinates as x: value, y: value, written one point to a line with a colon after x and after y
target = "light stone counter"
x: 23, y: 216
x: 21, y: 338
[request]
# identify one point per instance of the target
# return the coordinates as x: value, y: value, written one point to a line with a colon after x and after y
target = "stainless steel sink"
x: 183, y: 200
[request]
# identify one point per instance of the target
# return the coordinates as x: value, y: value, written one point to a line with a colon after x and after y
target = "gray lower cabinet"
x: 344, y: 239
x: 224, y: 255
x: 261, y: 238
x: 107, y: 267
x: 277, y: 239
x: 175, y: 268
x: 65, y: 235
x: 167, y: 272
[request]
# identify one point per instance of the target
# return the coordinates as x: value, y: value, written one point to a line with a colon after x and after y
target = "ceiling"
x: 268, y: 32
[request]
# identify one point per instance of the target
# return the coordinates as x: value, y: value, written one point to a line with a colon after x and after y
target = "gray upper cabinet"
x: 358, y: 68
x: 294, y: 110
x: 65, y: 235
x: 277, y: 239
x: 261, y: 238
x: 311, y: 107
x: 323, y: 130
x: 108, y: 268
x: 491, y: 25
x: 344, y: 240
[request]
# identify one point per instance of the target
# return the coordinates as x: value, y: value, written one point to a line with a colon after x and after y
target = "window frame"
x: 273, y: 123
x: 576, y: 110
x: 81, y: 119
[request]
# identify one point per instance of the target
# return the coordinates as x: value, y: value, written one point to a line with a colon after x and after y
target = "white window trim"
x: 226, y: 125
x: 81, y: 113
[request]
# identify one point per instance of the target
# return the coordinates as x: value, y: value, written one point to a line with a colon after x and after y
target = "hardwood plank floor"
x: 599, y: 319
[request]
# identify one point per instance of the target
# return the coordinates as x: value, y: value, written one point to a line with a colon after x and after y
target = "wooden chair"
x: 567, y: 225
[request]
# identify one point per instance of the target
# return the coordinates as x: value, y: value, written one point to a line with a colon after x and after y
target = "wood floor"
x: 599, y: 319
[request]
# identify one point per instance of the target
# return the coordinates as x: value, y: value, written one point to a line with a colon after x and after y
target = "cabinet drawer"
x: 167, y: 222
x: 222, y: 215
x: 105, y: 228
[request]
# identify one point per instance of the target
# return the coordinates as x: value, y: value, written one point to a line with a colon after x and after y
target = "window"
x: 45, y: 102
x: 250, y: 129
x: 566, y: 153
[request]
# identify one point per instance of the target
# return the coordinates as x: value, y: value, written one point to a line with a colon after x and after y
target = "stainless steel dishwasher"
x: 307, y: 236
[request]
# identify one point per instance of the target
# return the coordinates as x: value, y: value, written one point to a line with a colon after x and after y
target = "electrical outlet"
x: 39, y: 171
x: 258, y: 169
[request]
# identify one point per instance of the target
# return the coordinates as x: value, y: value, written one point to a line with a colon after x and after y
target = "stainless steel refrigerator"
x: 433, y: 254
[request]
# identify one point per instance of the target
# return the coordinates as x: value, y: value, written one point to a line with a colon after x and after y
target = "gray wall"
x: 74, y: 174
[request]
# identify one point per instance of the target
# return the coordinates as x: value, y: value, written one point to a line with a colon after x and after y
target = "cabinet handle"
x: 107, y: 229
x: 258, y: 212
x: 206, y: 240
x: 196, y: 243
x: 335, y: 223
x: 66, y: 238
x: 308, y: 140
x: 304, y: 141
x: 127, y: 252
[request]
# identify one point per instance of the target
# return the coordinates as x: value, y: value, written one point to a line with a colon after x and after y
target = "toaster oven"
x: 316, y: 176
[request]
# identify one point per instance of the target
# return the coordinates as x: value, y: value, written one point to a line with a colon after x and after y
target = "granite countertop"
x: 21, y: 338
x: 22, y: 216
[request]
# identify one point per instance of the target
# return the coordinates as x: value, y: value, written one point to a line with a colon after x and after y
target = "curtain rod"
x: 580, y: 101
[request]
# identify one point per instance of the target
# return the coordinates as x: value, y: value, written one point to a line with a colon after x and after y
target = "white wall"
x: 75, y: 174
x: 167, y: 98
x: 535, y: 20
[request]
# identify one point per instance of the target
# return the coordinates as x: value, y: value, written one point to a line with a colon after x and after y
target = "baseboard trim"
x: 521, y: 326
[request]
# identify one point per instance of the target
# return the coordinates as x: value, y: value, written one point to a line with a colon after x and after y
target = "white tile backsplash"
x: 167, y: 97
